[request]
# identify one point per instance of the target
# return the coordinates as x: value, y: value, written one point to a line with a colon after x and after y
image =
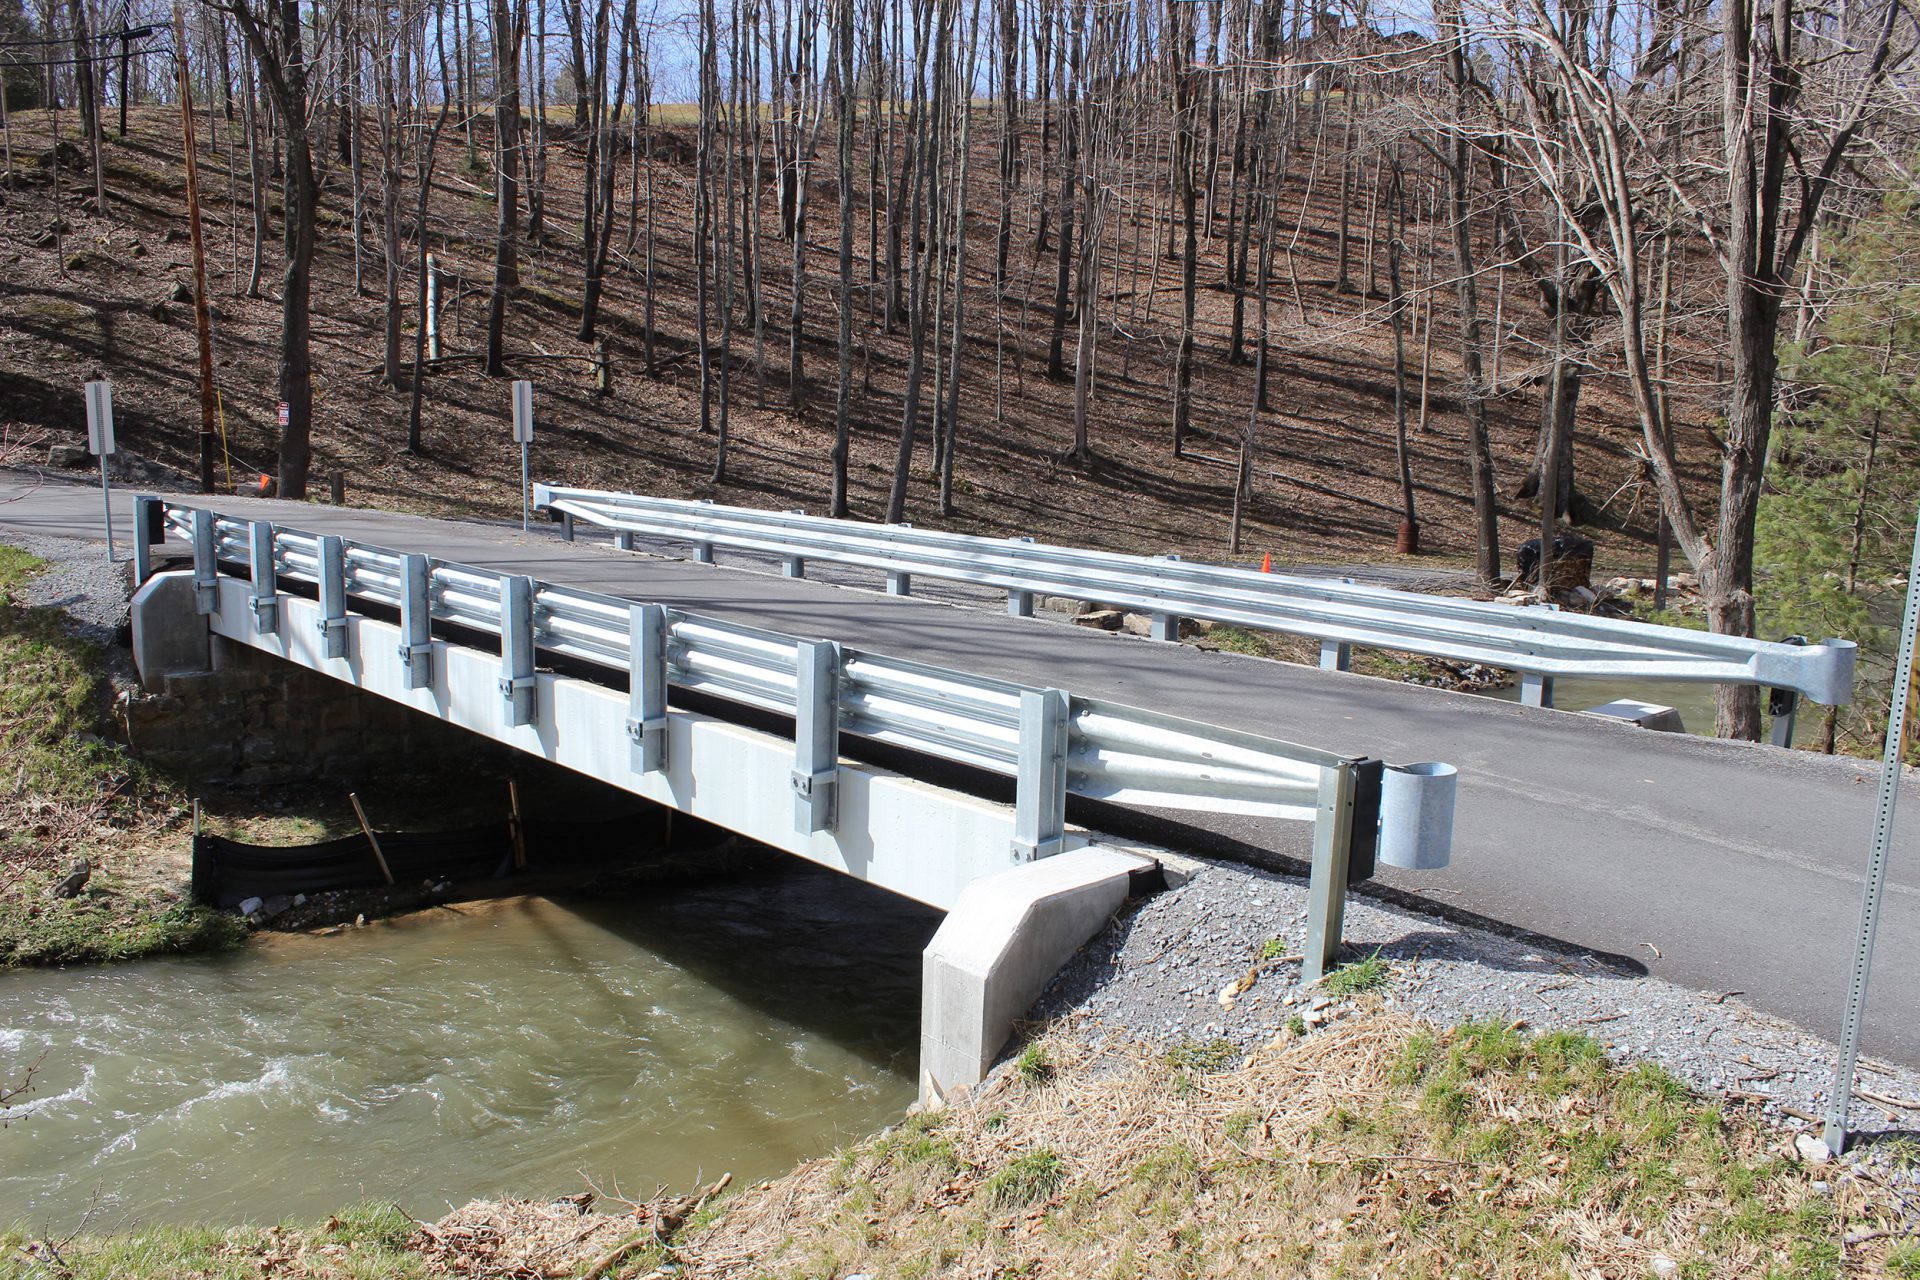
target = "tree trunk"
x: 509, y: 30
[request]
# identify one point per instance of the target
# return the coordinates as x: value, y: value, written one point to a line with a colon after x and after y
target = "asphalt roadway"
x: 1719, y: 866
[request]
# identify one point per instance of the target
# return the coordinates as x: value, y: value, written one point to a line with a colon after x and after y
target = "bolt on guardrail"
x: 1050, y: 742
x: 1540, y: 644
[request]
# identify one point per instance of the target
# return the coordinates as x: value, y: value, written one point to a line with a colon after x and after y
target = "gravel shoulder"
x: 1162, y: 973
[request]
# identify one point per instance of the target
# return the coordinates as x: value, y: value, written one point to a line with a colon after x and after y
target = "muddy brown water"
x: 518, y: 1047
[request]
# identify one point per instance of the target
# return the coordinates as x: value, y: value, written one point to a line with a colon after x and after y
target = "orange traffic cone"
x: 1266, y: 562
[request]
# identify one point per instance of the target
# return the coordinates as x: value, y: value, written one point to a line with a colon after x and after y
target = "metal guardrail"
x: 1050, y: 742
x: 1540, y: 644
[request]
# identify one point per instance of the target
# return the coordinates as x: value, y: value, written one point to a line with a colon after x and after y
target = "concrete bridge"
x: 1720, y: 866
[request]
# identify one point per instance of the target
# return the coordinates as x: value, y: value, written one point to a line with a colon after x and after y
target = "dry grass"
x: 1374, y: 1148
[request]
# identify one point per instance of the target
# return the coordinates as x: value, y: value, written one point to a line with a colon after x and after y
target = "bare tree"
x: 509, y: 33
x: 275, y: 36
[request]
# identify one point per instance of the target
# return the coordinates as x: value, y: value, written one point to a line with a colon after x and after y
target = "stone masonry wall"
x: 256, y: 720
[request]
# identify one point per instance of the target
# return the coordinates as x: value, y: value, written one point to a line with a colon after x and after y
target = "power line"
x: 125, y: 33
x: 110, y: 56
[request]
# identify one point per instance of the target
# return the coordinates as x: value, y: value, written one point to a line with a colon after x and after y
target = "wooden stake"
x: 517, y: 826
x: 386, y: 872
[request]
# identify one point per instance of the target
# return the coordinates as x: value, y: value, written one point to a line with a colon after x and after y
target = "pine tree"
x: 1836, y: 528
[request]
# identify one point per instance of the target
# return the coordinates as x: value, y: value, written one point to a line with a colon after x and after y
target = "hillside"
x: 102, y: 298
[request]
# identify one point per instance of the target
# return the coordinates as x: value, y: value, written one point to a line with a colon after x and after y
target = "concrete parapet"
x: 169, y: 635
x: 1002, y: 942
x: 1648, y: 715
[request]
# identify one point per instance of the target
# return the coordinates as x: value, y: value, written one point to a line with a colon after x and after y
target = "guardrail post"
x: 1336, y: 655
x: 898, y: 583
x: 416, y: 622
x: 265, y: 600
x: 566, y: 526
x: 1536, y: 691
x: 206, y: 566
x: 149, y: 529
x: 1164, y: 626
x: 647, y: 686
x: 1782, y: 705
x: 1020, y: 603
x: 703, y: 553
x: 333, y: 597
x: 793, y: 566
x: 1327, y: 882
x: 623, y: 541
x: 516, y: 648
x: 816, y: 735
x: 1040, y: 788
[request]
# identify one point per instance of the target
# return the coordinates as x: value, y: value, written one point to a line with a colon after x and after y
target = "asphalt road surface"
x: 1720, y: 866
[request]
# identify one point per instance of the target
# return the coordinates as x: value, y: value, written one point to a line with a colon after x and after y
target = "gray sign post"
x: 523, y: 432
x: 100, y: 444
x: 1842, y: 1093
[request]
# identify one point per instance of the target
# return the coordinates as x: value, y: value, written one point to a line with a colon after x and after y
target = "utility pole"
x: 202, y: 323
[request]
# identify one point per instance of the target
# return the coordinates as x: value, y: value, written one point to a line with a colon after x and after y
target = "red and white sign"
x: 286, y: 413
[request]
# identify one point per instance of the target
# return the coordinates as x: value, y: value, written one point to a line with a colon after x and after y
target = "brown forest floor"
x: 1326, y: 488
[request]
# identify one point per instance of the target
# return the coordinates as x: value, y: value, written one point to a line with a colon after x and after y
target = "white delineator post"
x: 523, y: 434
x: 100, y: 444
x: 1878, y: 852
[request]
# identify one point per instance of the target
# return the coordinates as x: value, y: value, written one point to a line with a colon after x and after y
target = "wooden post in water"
x: 386, y: 872
x: 517, y: 826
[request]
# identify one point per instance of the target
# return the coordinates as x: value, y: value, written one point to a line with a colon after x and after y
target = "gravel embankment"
x: 1159, y: 973
x: 80, y: 580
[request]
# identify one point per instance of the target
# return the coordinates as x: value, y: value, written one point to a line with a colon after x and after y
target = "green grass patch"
x: 1362, y: 975
x: 1202, y: 1055
x: 1027, y: 1179
x: 365, y: 1242
x: 103, y: 925
x: 1033, y: 1065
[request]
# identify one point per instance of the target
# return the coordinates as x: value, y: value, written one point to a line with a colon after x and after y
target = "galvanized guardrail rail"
x: 1540, y: 644
x: 1050, y: 742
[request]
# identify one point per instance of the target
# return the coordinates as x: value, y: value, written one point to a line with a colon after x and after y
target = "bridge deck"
x: 1716, y: 865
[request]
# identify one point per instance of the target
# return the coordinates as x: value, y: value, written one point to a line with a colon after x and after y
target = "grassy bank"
x: 1378, y: 1147
x: 70, y: 794
x: 365, y: 1242
x: 1374, y: 1148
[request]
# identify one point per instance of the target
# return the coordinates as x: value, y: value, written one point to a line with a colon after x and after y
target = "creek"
x: 518, y: 1047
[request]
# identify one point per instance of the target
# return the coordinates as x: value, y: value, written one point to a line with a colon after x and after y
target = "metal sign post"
x: 523, y: 432
x: 100, y: 444
x: 1842, y: 1093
